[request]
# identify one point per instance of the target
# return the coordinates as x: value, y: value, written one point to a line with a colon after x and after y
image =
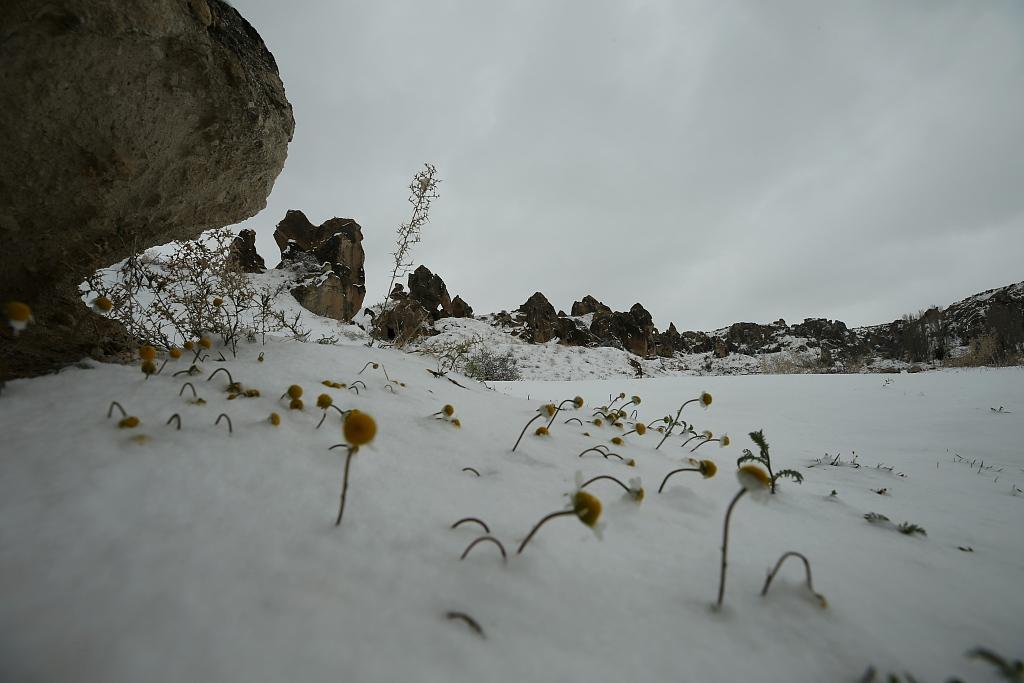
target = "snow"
x: 163, y: 555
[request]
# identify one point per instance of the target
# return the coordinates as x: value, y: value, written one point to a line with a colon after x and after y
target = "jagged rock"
x: 748, y: 338
x: 695, y: 342
x: 821, y: 328
x: 721, y: 349
x: 402, y: 321
x: 460, y: 309
x: 430, y: 291
x: 328, y: 257
x: 126, y: 125
x: 588, y: 305
x: 398, y: 293
x: 669, y: 341
x: 633, y: 331
x: 243, y: 253
x: 540, y: 319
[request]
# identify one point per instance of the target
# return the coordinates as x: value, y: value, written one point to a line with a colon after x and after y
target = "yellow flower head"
x: 323, y: 401
x: 724, y: 441
x: 635, y: 400
x: 147, y: 353
x: 296, y: 404
x: 549, y: 409
x: 102, y: 304
x: 705, y: 399
x: 456, y: 423
x: 252, y: 393
x: 617, y: 440
x: 189, y: 346
x: 174, y: 352
x: 587, y: 507
x: 205, y: 342
x: 707, y: 434
x: 631, y: 463
x: 617, y: 424
x: 636, y: 489
x: 753, y: 478
x: 578, y: 402
x: 376, y: 366
x: 598, y: 422
x: 641, y: 428
x: 708, y: 468
x: 275, y: 419
x: 18, y: 314
x: 129, y: 422
x: 622, y: 413
x: 148, y: 367
x: 359, y: 428
x: 295, y: 391
x: 448, y: 409
x: 541, y: 431
x: 218, y: 302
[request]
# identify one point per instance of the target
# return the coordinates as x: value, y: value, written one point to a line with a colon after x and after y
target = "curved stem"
x: 605, y: 476
x: 595, y: 448
x: 225, y: 371
x: 695, y: 436
x: 574, y: 418
x: 725, y: 547
x: 629, y: 432
x: 682, y: 469
x: 177, y: 420
x: 224, y: 416
x: 807, y: 567
x: 110, y: 410
x: 471, y: 469
x: 534, y: 419
x: 704, y: 442
x: 675, y: 422
x: 472, y: 519
x: 162, y: 365
x: 558, y: 409
x: 344, y: 485
x: 538, y: 525
x: 490, y: 539
x: 190, y: 386
x: 470, y: 621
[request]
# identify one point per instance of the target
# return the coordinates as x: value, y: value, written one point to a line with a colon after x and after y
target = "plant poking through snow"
x: 548, y: 410
x: 635, y: 490
x: 705, y: 467
x: 576, y: 402
x: 359, y: 430
x: 585, y: 507
x: 906, y: 528
x: 807, y: 569
x: 489, y: 539
x: 723, y: 441
x: 751, y: 478
x: 704, y: 399
x: 1008, y: 670
x: 765, y: 459
x: 323, y: 402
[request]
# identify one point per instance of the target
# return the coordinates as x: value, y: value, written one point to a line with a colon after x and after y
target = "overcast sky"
x: 715, y: 160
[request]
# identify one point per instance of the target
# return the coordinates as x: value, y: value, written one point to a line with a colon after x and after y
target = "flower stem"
x: 676, y: 421
x: 682, y: 469
x: 725, y: 547
x: 344, y: 485
x: 560, y: 513
x: 605, y: 476
x: 807, y: 567
x: 534, y: 419
x: 702, y: 443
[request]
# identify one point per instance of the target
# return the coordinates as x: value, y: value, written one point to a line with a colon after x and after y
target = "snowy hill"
x: 161, y: 554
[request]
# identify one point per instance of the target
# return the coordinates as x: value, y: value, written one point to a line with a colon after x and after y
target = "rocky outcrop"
x: 328, y: 262
x: 588, y: 305
x: 633, y: 331
x: 460, y: 309
x: 126, y: 125
x: 430, y: 291
x: 402, y: 321
x: 243, y: 254
x: 539, y: 318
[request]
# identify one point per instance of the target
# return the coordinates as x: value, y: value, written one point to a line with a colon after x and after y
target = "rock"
x: 126, y: 125
x: 633, y: 331
x: 402, y: 322
x: 721, y: 349
x: 669, y: 341
x: 430, y: 291
x: 327, y: 257
x: 695, y: 342
x: 540, y: 319
x: 398, y: 293
x: 244, y: 255
x: 748, y: 338
x: 588, y: 305
x: 460, y: 309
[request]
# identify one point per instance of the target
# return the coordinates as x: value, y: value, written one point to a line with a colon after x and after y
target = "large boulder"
x: 328, y: 262
x: 633, y: 331
x: 243, y: 254
x: 430, y: 291
x: 540, y: 319
x: 460, y: 309
x: 126, y: 125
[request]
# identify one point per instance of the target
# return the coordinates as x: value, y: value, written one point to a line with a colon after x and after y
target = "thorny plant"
x: 196, y: 289
x: 765, y: 459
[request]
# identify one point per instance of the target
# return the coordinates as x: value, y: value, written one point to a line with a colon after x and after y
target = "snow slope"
x: 163, y: 555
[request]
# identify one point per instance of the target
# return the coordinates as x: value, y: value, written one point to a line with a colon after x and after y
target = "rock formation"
x: 243, y: 253
x: 126, y: 125
x: 328, y: 258
x: 430, y: 291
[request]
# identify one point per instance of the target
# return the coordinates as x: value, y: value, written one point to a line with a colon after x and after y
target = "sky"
x: 715, y: 160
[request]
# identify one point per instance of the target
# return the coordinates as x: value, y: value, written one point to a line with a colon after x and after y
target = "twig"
x: 489, y: 539
x: 470, y: 621
x: 177, y: 420
x: 225, y: 416
x: 807, y: 567
x: 474, y: 520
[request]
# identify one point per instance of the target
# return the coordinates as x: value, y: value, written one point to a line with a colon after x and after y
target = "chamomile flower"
x: 19, y: 315
x: 101, y: 305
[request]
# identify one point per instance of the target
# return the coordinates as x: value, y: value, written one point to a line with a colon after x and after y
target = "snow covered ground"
x: 163, y: 555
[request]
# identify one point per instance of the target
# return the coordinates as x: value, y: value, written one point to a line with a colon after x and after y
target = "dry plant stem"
x: 190, y: 386
x: 323, y: 417
x: 162, y: 366
x: 114, y: 404
x: 475, y: 520
x: 489, y: 539
x: 534, y: 419
x: 177, y: 420
x: 605, y: 476
x: 470, y: 621
x: 702, y: 443
x: 225, y: 417
x: 673, y: 425
x: 471, y: 469
x: 561, y: 513
x: 226, y: 372
x: 574, y: 418
x: 344, y: 484
x: 598, y: 449
x: 725, y: 547
x: 682, y: 469
x: 778, y: 565
x: 558, y: 409
x: 695, y: 436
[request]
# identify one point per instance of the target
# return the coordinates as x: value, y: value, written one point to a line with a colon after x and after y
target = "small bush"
x: 486, y: 365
